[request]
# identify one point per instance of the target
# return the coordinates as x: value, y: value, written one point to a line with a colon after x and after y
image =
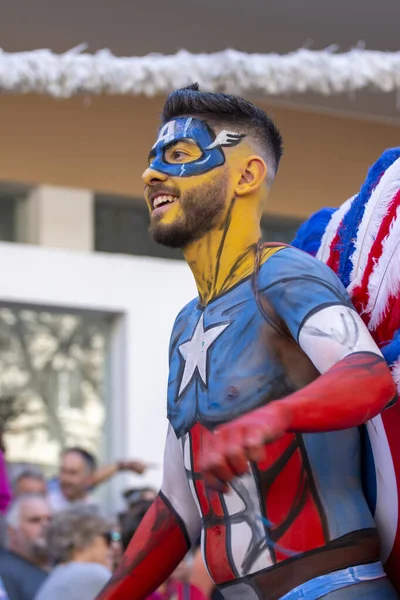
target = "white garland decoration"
x: 322, y: 72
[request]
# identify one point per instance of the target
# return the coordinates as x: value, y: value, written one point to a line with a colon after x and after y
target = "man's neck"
x: 226, y: 255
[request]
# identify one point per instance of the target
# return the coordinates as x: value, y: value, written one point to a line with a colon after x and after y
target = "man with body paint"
x: 271, y: 373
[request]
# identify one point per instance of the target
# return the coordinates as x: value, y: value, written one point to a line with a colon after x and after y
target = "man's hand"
x: 226, y: 452
x: 104, y: 473
x: 350, y: 393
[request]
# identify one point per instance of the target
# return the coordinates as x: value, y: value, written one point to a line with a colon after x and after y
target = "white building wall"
x: 57, y: 217
x: 144, y: 296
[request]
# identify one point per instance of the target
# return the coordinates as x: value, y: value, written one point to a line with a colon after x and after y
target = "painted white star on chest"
x: 195, y: 350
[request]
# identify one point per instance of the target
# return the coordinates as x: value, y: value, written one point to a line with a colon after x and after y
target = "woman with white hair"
x: 79, y: 542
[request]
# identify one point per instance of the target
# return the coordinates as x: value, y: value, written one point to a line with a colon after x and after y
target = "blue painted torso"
x: 240, y: 352
x: 235, y: 373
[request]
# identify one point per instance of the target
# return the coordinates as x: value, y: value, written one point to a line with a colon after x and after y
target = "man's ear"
x: 252, y: 177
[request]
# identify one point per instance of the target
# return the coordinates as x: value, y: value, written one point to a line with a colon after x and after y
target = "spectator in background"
x: 29, y: 481
x: 79, y: 542
x: 200, y: 578
x: 5, y: 493
x: 130, y: 521
x: 134, y: 496
x: 24, y: 564
x: 79, y: 474
x: 178, y: 586
x: 75, y: 480
x: 115, y: 547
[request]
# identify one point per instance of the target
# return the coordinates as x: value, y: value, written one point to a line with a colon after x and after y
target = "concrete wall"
x: 57, y: 217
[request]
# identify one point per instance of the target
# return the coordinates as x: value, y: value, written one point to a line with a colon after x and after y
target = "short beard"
x: 40, y: 551
x: 202, y: 207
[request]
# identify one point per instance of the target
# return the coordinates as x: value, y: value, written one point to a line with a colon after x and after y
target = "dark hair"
x: 225, y: 109
x: 27, y: 472
x: 130, y: 521
x: 134, y: 496
x: 74, y: 529
x: 89, y: 459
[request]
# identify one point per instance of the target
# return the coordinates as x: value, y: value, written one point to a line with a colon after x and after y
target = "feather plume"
x: 331, y: 230
x: 384, y: 281
x: 391, y: 351
x: 309, y: 235
x: 347, y: 231
x: 376, y: 209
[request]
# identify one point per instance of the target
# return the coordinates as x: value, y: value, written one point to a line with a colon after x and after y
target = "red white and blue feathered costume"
x: 360, y: 241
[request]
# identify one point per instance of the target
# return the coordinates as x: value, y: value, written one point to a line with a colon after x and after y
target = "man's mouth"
x: 162, y: 200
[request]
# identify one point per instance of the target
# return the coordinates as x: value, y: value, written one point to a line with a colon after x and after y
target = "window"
x: 52, y: 369
x: 279, y: 229
x: 8, y: 207
x: 121, y: 226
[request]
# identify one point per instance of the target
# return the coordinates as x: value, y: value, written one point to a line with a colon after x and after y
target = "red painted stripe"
x: 275, y: 451
x: 306, y: 531
x: 215, y: 536
x: 360, y: 294
x: 196, y: 443
x: 334, y: 256
x: 216, y: 554
x: 284, y: 491
x: 216, y: 505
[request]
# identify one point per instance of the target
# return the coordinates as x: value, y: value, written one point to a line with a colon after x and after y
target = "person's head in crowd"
x: 82, y: 535
x: 116, y: 548
x: 29, y: 481
x: 5, y: 491
x: 130, y: 521
x: 27, y: 521
x: 135, y: 496
x: 76, y: 469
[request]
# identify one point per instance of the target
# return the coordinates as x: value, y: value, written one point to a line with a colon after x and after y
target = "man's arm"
x: 355, y: 383
x: 164, y: 536
x: 102, y: 474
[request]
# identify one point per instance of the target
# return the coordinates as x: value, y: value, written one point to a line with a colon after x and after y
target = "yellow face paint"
x: 222, y: 230
x: 182, y: 153
x: 186, y: 148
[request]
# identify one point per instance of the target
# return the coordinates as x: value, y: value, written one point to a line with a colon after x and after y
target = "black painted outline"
x: 179, y: 520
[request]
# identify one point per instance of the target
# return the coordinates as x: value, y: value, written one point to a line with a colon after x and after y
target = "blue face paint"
x: 188, y: 128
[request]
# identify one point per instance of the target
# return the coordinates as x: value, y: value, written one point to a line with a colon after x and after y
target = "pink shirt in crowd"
x: 178, y: 591
x: 5, y: 492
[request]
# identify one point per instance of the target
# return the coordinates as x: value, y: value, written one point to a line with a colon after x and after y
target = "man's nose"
x: 151, y: 176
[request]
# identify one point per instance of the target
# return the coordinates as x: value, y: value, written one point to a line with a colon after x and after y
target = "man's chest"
x: 225, y: 360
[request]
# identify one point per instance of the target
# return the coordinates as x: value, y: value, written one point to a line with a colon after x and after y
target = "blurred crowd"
x: 56, y: 542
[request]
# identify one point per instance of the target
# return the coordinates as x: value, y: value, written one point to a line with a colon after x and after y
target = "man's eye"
x: 178, y: 154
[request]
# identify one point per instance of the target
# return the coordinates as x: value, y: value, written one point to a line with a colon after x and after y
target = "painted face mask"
x: 209, y: 145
